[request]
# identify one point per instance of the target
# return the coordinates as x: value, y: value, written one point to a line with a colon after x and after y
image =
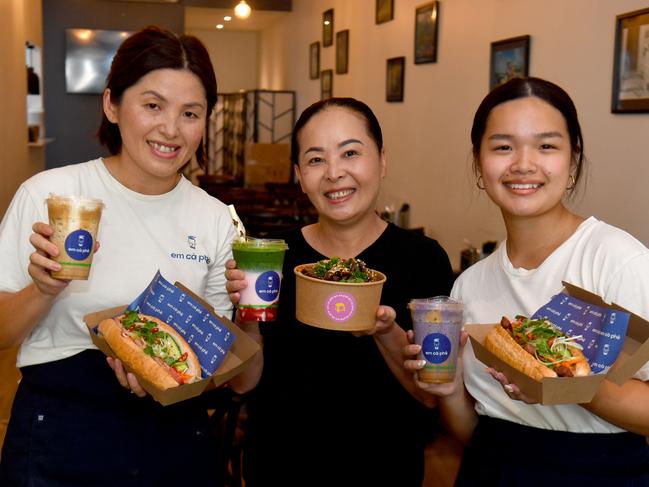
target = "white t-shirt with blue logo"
x: 185, y: 233
x: 599, y: 258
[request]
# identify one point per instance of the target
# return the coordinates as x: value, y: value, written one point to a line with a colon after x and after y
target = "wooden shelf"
x: 40, y: 142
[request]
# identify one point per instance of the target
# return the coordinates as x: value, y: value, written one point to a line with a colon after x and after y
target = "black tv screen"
x: 88, y: 55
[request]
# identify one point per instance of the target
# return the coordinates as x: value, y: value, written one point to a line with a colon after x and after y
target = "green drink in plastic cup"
x: 261, y: 260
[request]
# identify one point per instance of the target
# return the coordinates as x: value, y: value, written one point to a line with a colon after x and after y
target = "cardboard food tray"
x: 572, y: 390
x: 238, y: 357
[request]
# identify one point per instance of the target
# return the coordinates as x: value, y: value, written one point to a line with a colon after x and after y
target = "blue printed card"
x: 209, y: 338
x: 602, y: 329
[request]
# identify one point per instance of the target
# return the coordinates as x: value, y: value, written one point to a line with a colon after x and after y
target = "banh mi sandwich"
x: 152, y: 349
x: 537, y: 348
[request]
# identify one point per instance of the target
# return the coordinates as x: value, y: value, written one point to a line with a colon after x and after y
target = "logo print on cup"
x: 78, y: 244
x: 267, y: 286
x: 436, y: 348
x: 340, y: 306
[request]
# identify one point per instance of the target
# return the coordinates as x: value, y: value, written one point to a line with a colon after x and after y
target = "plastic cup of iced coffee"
x: 75, y: 221
x: 261, y: 260
x: 437, y: 323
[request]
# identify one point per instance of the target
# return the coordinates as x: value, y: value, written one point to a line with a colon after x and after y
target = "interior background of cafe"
x: 426, y: 135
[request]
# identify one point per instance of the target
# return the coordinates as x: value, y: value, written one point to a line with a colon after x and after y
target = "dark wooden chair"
x: 214, y: 182
x: 265, y: 210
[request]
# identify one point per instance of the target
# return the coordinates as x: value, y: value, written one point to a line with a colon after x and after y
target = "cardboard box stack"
x: 267, y: 163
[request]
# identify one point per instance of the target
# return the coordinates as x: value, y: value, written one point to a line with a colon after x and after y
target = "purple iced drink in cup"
x: 437, y: 323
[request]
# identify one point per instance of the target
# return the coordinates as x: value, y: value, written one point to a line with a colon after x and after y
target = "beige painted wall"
x: 20, y: 20
x: 228, y: 49
x: 427, y: 136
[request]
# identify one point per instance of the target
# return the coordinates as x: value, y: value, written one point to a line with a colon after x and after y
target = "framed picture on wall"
x: 384, y: 11
x: 426, y: 19
x: 342, y: 51
x: 326, y: 84
x: 631, y: 63
x: 314, y: 60
x: 328, y: 28
x: 510, y: 58
x: 396, y: 68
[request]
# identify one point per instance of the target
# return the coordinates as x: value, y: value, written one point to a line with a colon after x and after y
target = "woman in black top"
x: 332, y: 408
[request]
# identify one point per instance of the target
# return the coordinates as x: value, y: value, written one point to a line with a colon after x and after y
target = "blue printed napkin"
x: 602, y: 330
x: 209, y: 338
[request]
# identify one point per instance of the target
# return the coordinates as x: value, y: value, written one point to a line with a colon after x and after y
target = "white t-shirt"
x: 598, y: 258
x: 185, y: 233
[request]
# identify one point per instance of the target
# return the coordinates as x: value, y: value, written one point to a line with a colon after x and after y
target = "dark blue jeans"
x: 506, y: 454
x: 72, y: 424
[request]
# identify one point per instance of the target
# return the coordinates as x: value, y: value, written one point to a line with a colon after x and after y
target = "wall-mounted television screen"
x: 88, y: 55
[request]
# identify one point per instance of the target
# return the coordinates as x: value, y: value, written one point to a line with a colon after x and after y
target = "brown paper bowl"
x: 347, y: 306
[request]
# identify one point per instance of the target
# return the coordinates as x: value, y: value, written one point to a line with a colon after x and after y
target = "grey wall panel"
x: 72, y: 120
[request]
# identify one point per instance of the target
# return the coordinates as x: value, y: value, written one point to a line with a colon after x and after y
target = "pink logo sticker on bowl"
x: 340, y: 306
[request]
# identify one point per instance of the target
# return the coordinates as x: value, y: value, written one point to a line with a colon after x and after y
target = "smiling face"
x: 525, y: 157
x: 161, y: 120
x: 339, y: 165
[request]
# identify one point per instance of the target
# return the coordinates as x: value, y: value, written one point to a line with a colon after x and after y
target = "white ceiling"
x: 198, y: 18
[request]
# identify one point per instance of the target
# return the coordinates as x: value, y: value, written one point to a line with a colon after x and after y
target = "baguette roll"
x: 152, y: 349
x: 503, y: 346
x: 537, y: 348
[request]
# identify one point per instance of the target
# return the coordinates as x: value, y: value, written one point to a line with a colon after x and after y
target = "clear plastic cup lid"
x: 75, y: 200
x: 274, y: 243
x: 435, y: 302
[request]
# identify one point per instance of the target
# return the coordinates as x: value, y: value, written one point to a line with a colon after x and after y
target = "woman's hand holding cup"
x: 413, y: 364
x: 41, y: 263
x: 235, y: 281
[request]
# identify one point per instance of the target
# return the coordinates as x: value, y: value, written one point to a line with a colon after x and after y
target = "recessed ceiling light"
x: 227, y: 18
x: 219, y: 26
